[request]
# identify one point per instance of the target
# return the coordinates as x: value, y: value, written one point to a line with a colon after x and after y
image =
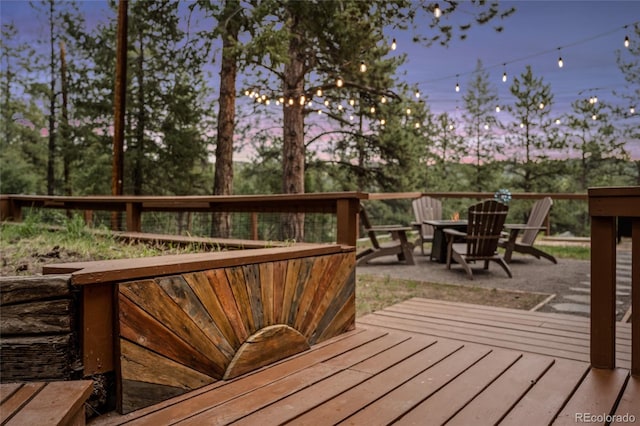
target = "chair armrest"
x: 454, y: 232
x: 389, y: 228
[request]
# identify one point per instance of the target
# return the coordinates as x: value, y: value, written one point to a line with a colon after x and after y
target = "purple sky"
x: 589, y: 33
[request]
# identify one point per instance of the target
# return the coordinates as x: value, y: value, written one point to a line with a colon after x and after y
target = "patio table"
x: 439, y: 245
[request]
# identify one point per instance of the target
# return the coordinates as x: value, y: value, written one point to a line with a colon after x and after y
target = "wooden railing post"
x: 347, y: 221
x: 605, y: 206
x: 134, y: 219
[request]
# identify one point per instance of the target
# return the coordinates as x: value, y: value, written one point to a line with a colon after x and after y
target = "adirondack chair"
x: 485, y: 223
x: 425, y: 208
x: 399, y: 245
x: 530, y: 231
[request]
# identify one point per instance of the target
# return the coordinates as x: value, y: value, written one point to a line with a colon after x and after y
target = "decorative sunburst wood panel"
x: 182, y: 332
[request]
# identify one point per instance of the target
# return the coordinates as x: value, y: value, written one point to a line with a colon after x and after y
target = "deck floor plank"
x: 542, y: 402
x: 422, y: 362
x: 342, y: 406
x: 498, y: 398
x: 597, y: 394
x: 309, y: 398
x: 629, y: 404
x: 411, y: 393
x: 446, y: 402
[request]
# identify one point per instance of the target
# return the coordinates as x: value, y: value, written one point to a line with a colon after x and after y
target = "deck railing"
x: 606, y: 205
x: 344, y: 205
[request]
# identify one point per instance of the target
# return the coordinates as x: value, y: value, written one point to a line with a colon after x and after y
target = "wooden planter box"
x: 170, y: 324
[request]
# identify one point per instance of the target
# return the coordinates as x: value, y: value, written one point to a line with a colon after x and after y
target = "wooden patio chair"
x: 399, y: 245
x: 485, y: 223
x: 425, y: 208
x: 530, y: 231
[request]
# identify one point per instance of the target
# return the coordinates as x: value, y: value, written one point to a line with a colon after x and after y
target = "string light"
x: 352, y: 102
x: 498, y: 108
x: 363, y: 67
x: 632, y: 110
x: 626, y: 41
x: 408, y: 111
x: 436, y: 11
x: 457, y: 87
x: 541, y: 105
x: 417, y: 125
x: 302, y: 100
x: 394, y: 45
x: 383, y: 100
x: 383, y: 122
x: 326, y: 102
x: 290, y: 101
x: 373, y: 110
x: 417, y: 93
x: 558, y: 121
x: 504, y: 77
x: 594, y: 117
x: 560, y: 61
x: 339, y: 82
x: 486, y: 127
x: 319, y: 92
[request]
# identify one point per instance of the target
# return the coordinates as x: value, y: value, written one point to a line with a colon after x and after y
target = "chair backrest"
x: 366, y: 224
x: 485, y: 222
x: 427, y: 208
x: 538, y: 214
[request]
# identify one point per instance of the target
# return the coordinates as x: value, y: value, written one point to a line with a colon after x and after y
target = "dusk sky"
x: 588, y: 33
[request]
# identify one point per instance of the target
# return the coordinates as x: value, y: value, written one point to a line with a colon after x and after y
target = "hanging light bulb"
x: 351, y: 117
x: 290, y: 101
x: 383, y: 121
x: 560, y: 62
x: 417, y: 93
x: 383, y: 100
x: 278, y: 102
x: 310, y: 102
x: 303, y: 99
x: 522, y: 125
x: 259, y: 100
x: 281, y: 99
x: 267, y: 102
x: 626, y: 41
x: 450, y: 126
x: 339, y: 82
x: 264, y: 97
x: 504, y: 77
x: 486, y: 127
x: 319, y: 92
x: 632, y: 110
x: 363, y: 67
x: 339, y: 107
x: 373, y: 110
x: 457, y: 87
x: 541, y: 106
x: 417, y: 125
x: 394, y: 45
x: 436, y: 11
x: 352, y: 102
x: 595, y: 99
x: 319, y: 112
x: 326, y: 102
x: 594, y: 117
x: 246, y: 93
x: 558, y: 121
x: 408, y: 111
x: 498, y: 108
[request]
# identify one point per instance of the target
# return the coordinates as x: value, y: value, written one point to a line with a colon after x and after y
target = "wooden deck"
x: 423, y: 362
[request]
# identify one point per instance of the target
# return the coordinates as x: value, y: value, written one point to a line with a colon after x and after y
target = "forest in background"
x: 372, y: 134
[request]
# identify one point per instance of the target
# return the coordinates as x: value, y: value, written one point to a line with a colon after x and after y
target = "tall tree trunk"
x: 223, y: 178
x: 119, y: 102
x: 293, y: 135
x: 52, y: 111
x: 141, y: 120
x: 64, y: 128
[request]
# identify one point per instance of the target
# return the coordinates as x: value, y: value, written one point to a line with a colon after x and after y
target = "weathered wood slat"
x: 268, y: 345
x: 290, y: 283
x: 241, y: 297
x: 267, y: 291
x: 135, y: 326
x: 37, y: 358
x: 26, y: 289
x: 202, y: 288
x: 181, y: 293
x: 222, y: 288
x: 597, y: 394
x: 316, y: 274
x: 148, y: 296
x: 42, y: 317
